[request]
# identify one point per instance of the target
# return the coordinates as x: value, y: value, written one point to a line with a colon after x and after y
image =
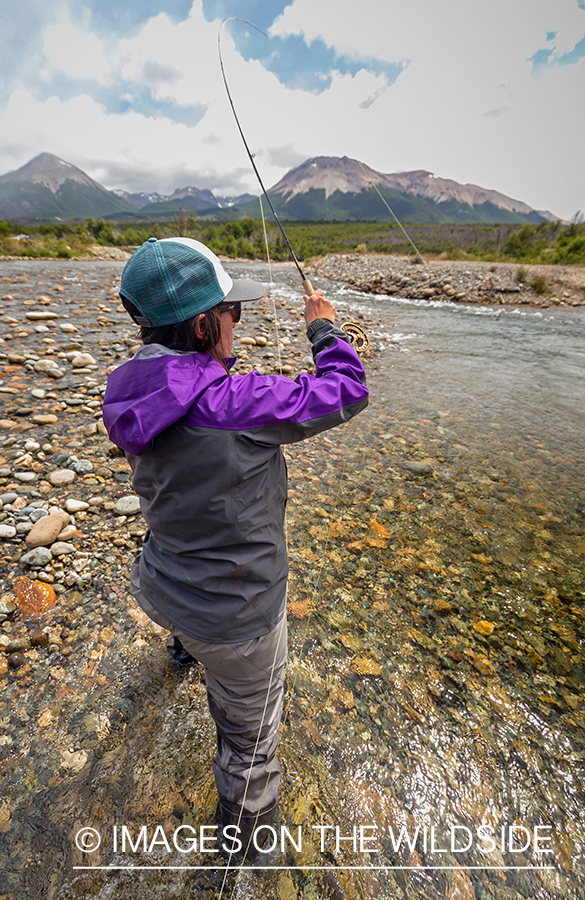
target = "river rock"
x: 7, y: 608
x: 68, y: 532
x: 16, y: 644
x: 80, y: 466
x: 16, y: 660
x: 38, y: 638
x: 73, y: 506
x: 43, y: 365
x: 7, y: 532
x: 47, y: 529
x: 60, y: 477
x: 41, y: 316
x: 44, y: 419
x: 83, y: 359
x: 40, y: 556
x: 127, y: 506
x: 420, y: 467
x: 62, y: 548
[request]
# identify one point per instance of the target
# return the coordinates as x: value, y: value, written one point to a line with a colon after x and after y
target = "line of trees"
x: 548, y: 242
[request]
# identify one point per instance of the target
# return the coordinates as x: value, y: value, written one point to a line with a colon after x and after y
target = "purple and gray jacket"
x: 205, y: 452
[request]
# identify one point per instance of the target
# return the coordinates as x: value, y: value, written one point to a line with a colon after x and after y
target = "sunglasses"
x: 234, y: 308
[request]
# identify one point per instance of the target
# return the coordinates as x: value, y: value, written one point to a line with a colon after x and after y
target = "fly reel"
x: 357, y: 336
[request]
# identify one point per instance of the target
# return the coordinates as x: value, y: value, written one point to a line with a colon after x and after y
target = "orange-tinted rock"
x: 35, y: 598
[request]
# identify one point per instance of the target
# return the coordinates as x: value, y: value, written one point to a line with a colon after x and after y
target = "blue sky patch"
x: 126, y: 17
x: 548, y: 58
x: 301, y: 65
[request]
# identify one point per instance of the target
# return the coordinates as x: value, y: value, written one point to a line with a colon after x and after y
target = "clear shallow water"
x: 437, y: 661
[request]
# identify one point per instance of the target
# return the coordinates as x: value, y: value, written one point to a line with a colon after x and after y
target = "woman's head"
x: 176, y: 279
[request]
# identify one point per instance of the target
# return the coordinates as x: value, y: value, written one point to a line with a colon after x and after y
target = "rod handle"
x: 308, y: 287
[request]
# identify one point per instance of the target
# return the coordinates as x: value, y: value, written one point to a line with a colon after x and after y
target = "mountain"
x: 329, y: 187
x: 192, y: 199
x: 324, y: 187
x: 47, y: 187
x: 139, y: 200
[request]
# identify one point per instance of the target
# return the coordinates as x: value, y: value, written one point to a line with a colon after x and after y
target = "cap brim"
x: 245, y: 289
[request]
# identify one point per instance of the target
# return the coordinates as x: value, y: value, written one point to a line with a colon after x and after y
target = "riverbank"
x: 456, y: 282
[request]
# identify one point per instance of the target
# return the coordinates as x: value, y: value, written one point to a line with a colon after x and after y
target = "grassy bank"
x: 547, y: 243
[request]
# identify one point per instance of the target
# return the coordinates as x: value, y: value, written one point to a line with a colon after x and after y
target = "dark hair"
x: 182, y: 335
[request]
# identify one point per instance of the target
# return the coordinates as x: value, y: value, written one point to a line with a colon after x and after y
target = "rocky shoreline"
x: 454, y: 281
x: 66, y: 510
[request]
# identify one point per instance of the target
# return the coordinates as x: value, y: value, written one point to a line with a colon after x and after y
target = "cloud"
x: 76, y: 54
x: 154, y: 73
x: 288, y: 157
x: 399, y: 86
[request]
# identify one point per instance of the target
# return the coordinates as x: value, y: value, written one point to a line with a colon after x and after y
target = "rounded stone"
x: 39, y: 556
x: 62, y: 548
x: 38, y: 393
x: 80, y: 466
x: 7, y: 607
x: 60, y: 477
x: 16, y: 660
x: 7, y: 532
x: 127, y: 506
x: 44, y: 419
x: 47, y: 529
x: 82, y: 360
x: 17, y: 645
x: 38, y: 638
x: 73, y: 506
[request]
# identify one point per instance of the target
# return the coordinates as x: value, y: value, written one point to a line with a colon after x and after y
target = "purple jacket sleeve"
x: 275, y: 410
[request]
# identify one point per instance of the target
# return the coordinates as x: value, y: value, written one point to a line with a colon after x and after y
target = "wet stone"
x: 46, y: 530
x: 61, y: 477
x: 7, y: 608
x: 40, y: 556
x: 16, y: 660
x: 62, y: 548
x: 73, y: 506
x: 80, y: 466
x: 127, y: 506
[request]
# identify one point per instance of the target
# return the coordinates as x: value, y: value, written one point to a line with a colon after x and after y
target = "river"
x: 437, y: 646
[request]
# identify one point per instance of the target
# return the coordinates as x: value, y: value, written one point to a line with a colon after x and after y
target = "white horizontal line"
x: 318, y: 868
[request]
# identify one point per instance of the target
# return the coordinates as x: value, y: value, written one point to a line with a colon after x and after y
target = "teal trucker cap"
x: 174, y: 279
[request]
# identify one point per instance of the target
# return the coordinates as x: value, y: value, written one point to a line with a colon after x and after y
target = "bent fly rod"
x: 355, y: 332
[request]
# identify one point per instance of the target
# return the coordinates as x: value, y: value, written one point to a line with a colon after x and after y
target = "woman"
x: 205, y: 452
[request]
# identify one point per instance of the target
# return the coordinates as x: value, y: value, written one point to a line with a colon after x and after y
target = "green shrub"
x: 521, y: 273
x: 539, y: 285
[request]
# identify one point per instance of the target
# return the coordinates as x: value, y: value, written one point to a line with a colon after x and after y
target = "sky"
x: 485, y: 93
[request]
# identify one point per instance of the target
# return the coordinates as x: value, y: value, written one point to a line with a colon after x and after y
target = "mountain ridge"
x: 345, y: 176
x: 322, y: 187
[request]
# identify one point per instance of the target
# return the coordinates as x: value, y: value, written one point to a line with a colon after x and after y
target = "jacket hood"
x: 153, y: 391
